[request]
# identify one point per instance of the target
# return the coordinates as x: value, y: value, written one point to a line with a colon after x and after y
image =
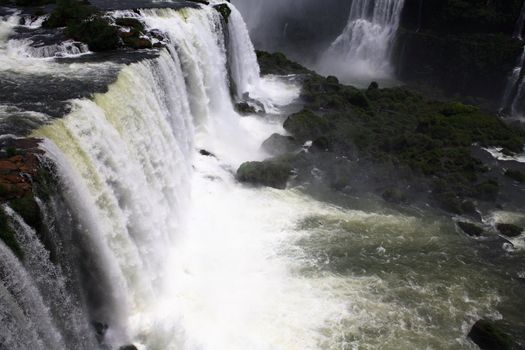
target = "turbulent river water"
x: 162, y: 246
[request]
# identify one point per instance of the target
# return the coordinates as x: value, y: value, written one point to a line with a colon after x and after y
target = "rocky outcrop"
x: 509, y: 230
x: 488, y: 336
x: 271, y: 173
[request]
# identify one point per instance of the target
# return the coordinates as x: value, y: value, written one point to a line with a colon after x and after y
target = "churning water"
x: 162, y: 245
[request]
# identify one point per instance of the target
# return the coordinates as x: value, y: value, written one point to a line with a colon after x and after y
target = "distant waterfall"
x: 514, y: 97
x: 362, y: 50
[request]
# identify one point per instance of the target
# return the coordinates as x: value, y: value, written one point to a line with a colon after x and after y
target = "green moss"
x: 277, y: 63
x: 69, y: 12
x: 96, y: 32
x: 306, y: 125
x: 8, y: 236
x: 224, y: 10
x: 272, y: 173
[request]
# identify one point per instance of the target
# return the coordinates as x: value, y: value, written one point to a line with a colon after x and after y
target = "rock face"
x: 271, y: 173
x: 489, y: 337
x: 461, y: 47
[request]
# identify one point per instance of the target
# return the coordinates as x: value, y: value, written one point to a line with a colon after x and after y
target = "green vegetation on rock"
x: 271, y: 173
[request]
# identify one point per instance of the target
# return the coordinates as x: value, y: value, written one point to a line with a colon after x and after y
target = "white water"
x: 362, y: 51
x: 198, y: 261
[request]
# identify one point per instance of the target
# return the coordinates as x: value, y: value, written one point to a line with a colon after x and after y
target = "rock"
x: 516, y: 175
x: 96, y: 32
x: 269, y: 173
x: 206, y: 153
x: 100, y: 328
x: 489, y: 337
x: 131, y: 23
x: 128, y: 347
x: 306, y: 126
x: 373, y: 86
x: 224, y: 10
x: 244, y: 108
x: 138, y: 43
x: 279, y: 144
x: 509, y: 230
x: 394, y: 195
x: 470, y: 229
x: 204, y: 2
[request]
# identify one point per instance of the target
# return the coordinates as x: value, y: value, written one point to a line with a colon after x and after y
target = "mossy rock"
x: 488, y: 336
x: 278, y: 63
x: 394, y: 195
x: 509, y: 230
x: 224, y: 10
x: 96, y: 32
x: 269, y: 173
x: 470, y: 229
x: 69, y: 12
x: 8, y: 236
x: 306, y: 125
x: 279, y: 144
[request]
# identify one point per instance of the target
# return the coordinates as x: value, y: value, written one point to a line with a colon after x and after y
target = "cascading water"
x: 159, y: 246
x: 362, y: 51
x: 514, y: 97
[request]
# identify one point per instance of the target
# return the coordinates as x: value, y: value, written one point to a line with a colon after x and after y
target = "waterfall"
x: 514, y: 96
x: 362, y: 50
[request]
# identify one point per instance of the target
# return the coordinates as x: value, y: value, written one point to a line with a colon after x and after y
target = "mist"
x: 302, y: 29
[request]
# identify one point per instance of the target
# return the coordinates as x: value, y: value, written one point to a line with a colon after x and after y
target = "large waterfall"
x: 148, y: 239
x: 362, y: 51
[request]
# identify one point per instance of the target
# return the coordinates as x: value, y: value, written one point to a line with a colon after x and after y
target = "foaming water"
x: 362, y: 50
x: 188, y: 258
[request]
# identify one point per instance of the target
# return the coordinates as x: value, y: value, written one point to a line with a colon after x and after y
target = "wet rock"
x: 224, y: 10
x: 488, y: 336
x: 279, y: 144
x: 394, y: 195
x: 100, y: 328
x: 128, y: 347
x: 509, y: 230
x: 515, y: 175
x: 470, y: 229
x: 244, y: 108
x: 206, y: 153
x: 269, y: 173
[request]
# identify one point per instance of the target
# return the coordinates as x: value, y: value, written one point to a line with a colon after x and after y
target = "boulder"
x: 488, y: 336
x: 128, y: 347
x: 269, y: 173
x: 509, y: 230
x: 279, y: 144
x: 470, y: 229
x: 244, y: 108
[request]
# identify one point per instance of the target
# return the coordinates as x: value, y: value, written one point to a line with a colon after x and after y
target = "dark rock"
x: 279, y: 144
x: 128, y: 347
x: 96, y: 32
x: 516, y: 175
x: 470, y: 229
x: 100, y: 328
x: 373, y: 86
x: 488, y: 336
x: 206, y: 153
x: 224, y: 10
x: 132, y: 23
x: 394, y: 195
x: 269, y: 173
x: 509, y: 230
x: 138, y: 43
x: 244, y: 108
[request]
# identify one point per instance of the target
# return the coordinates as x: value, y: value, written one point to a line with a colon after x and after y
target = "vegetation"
x: 272, y: 173
x: 400, y: 127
